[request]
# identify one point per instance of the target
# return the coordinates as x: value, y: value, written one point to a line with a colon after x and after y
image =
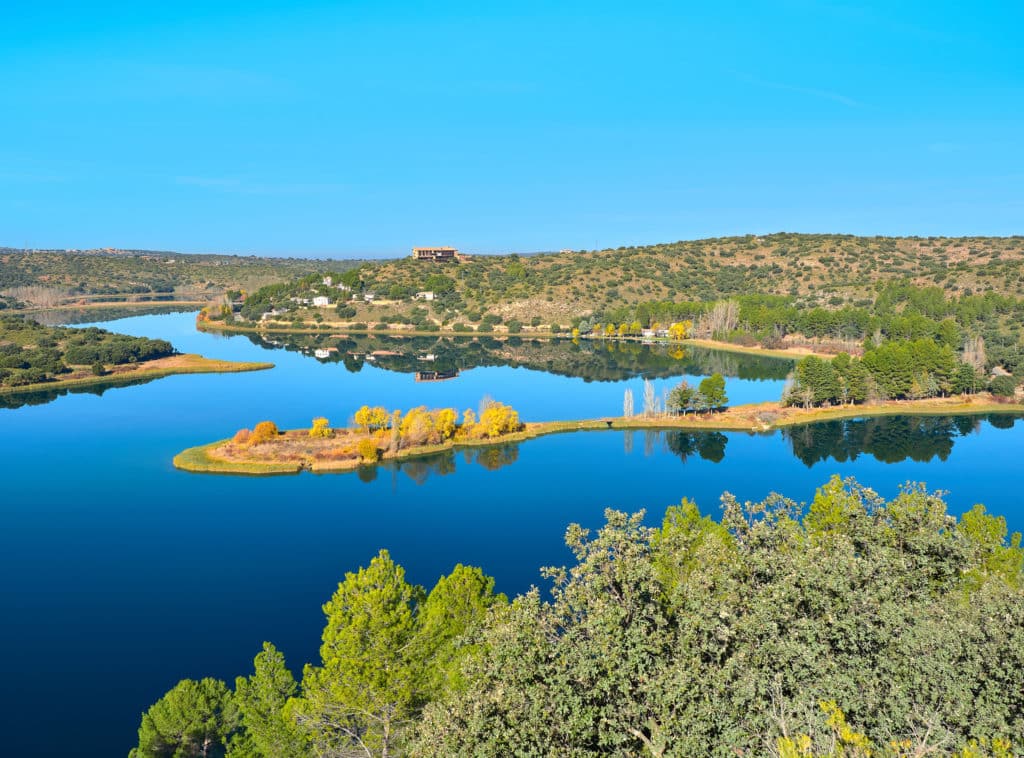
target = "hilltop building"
x: 436, y: 254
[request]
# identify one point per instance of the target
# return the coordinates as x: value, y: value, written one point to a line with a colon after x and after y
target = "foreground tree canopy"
x: 849, y: 626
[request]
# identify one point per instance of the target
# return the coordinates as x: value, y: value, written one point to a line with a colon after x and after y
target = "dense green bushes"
x: 696, y: 638
x: 31, y: 353
x: 891, y: 371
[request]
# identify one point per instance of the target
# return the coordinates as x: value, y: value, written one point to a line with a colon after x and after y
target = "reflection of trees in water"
x: 1001, y: 421
x: 590, y: 360
x: 890, y: 439
x: 651, y: 438
x: 492, y: 458
x: 64, y: 316
x: 710, y: 446
x: 44, y: 396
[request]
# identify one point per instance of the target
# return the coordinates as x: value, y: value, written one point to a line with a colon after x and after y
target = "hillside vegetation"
x: 48, y: 278
x: 815, y: 269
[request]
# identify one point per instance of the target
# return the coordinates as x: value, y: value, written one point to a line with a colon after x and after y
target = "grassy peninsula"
x: 36, y: 358
x: 182, y: 363
x: 323, y: 449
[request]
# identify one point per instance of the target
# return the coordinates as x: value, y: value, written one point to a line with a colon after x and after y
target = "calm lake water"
x: 120, y: 575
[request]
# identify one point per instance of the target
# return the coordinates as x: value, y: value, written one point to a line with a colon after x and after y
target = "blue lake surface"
x: 120, y: 575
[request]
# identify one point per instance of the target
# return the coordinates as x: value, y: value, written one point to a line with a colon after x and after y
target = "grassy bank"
x: 762, y: 417
x: 791, y: 353
x: 188, y: 363
x: 199, y: 460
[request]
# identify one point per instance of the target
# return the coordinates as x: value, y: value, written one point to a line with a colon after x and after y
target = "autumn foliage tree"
x: 371, y: 418
x: 367, y: 450
x: 497, y: 419
x: 264, y: 431
x: 321, y: 428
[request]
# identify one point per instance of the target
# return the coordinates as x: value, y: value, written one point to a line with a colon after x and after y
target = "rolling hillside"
x: 816, y: 269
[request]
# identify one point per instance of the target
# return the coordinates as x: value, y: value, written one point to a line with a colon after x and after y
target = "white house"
x: 321, y: 301
x: 369, y: 296
x: 322, y: 353
x: 423, y: 296
x: 328, y: 281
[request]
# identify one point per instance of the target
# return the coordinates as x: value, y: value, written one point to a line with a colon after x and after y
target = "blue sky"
x: 364, y: 128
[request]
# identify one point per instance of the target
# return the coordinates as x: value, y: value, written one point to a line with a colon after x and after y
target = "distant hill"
x: 59, y: 277
x: 815, y: 269
x: 822, y: 269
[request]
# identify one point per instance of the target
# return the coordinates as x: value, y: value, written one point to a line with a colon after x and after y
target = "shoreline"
x: 185, y: 363
x: 788, y: 353
x: 756, y: 418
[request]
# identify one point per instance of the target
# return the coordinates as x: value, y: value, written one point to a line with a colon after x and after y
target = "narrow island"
x: 36, y: 358
x: 379, y: 435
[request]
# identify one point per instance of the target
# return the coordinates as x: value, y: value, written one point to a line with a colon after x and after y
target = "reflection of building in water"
x: 436, y: 376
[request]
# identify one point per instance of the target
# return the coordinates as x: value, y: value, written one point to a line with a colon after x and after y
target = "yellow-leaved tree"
x: 368, y: 418
x: 367, y: 450
x: 418, y: 427
x: 468, y: 425
x: 680, y: 330
x: 497, y: 419
x: 321, y: 428
x: 444, y: 423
